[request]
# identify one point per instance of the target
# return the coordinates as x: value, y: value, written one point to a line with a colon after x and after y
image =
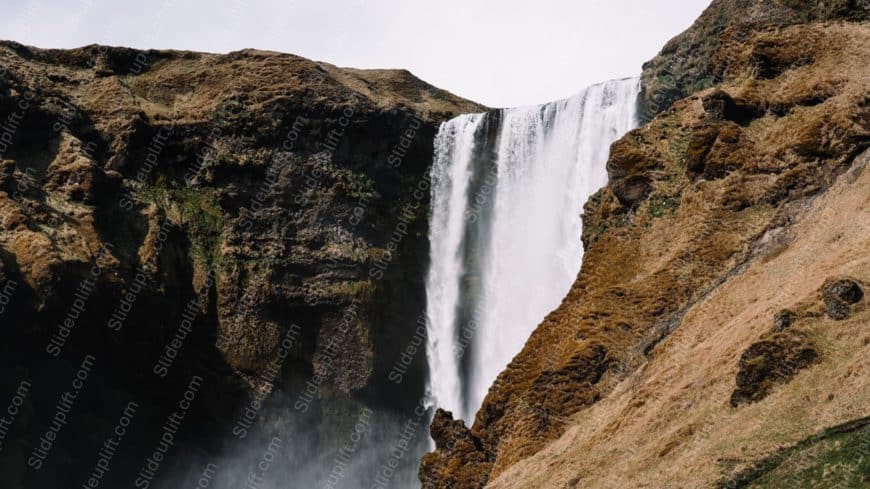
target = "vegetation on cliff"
x: 241, y: 198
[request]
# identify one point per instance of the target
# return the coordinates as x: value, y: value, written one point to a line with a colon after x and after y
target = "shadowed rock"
x: 768, y: 362
x: 839, y: 295
x: 782, y: 320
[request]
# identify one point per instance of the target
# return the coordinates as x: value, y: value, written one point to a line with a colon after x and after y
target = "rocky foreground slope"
x: 717, y: 332
x: 229, y: 224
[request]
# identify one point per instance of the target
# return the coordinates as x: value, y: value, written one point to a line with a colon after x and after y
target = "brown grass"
x: 671, y: 419
x: 679, y: 281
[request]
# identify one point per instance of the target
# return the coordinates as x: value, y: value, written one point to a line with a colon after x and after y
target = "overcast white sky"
x: 497, y: 52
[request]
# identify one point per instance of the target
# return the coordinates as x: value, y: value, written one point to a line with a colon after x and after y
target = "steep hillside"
x: 720, y: 312
x: 693, y: 60
x: 256, y: 219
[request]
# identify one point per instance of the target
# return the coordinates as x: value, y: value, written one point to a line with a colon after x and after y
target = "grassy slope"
x: 835, y: 458
x: 668, y: 423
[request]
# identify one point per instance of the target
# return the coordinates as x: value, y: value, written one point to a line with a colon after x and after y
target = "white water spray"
x: 508, y: 187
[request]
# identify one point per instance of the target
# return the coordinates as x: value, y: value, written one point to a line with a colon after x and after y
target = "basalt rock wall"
x: 200, y: 234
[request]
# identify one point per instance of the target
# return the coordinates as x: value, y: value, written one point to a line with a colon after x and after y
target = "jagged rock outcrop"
x: 733, y: 203
x: 177, y: 214
x: 457, y: 448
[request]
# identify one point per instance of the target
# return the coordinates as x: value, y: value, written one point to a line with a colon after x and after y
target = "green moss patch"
x: 196, y: 211
x: 660, y: 205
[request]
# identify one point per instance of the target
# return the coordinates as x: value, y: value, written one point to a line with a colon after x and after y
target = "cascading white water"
x: 507, y: 190
x: 451, y: 174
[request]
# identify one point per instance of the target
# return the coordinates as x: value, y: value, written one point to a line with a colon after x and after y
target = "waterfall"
x: 508, y: 187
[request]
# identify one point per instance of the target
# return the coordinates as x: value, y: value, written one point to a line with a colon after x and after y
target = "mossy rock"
x: 196, y: 211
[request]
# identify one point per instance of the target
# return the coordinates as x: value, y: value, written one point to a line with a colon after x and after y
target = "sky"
x: 502, y: 53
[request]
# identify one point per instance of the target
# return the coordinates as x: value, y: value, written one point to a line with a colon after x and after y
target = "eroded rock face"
x: 255, y: 218
x: 693, y: 198
x: 454, y: 442
x: 716, y: 149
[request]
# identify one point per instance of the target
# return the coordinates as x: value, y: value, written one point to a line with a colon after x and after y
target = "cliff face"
x: 256, y: 221
x: 719, y: 314
x: 695, y: 59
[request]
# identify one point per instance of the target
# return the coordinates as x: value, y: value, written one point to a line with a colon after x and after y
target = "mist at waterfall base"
x: 507, y: 191
x: 350, y: 447
x: 508, y: 187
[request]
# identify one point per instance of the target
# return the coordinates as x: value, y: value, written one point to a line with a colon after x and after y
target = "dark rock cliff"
x: 251, y: 224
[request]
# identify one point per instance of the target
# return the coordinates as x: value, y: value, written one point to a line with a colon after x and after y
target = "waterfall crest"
x: 508, y: 187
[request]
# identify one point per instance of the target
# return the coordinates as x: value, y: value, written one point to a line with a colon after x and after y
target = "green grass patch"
x: 659, y: 205
x: 355, y: 185
x: 678, y: 145
x: 838, y: 457
x: 196, y: 211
